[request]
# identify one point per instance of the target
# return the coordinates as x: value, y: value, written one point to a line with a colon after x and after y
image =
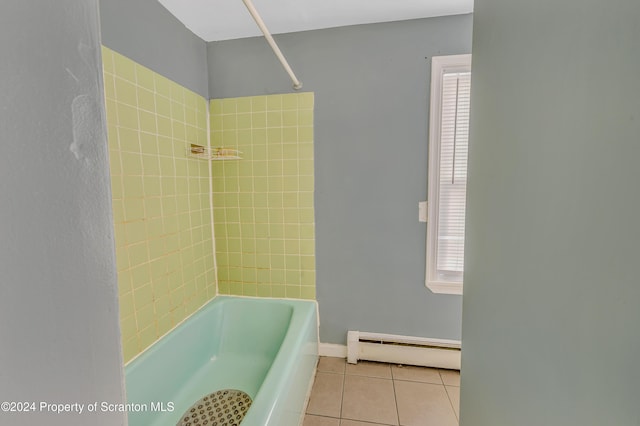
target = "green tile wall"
x: 161, y: 202
x: 263, y: 204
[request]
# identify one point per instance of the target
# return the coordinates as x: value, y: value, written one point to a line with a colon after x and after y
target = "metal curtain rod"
x: 297, y: 85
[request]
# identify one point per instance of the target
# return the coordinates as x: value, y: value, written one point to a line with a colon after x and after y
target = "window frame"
x: 439, y: 66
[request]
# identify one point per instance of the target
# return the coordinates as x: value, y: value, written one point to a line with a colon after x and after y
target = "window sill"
x: 445, y: 288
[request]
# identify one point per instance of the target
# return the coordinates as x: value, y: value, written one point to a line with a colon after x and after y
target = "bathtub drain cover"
x: 222, y: 408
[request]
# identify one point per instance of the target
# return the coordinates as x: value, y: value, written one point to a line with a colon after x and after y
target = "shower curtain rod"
x: 297, y: 85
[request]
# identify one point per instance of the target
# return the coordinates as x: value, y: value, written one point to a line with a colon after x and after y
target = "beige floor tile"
x: 326, y: 395
x: 450, y: 377
x: 454, y: 397
x: 310, y: 420
x: 424, y: 404
x: 369, y: 399
x: 345, y: 422
x: 370, y: 369
x: 331, y: 365
x: 416, y: 374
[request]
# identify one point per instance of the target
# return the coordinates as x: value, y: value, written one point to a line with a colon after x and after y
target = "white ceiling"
x: 228, y: 19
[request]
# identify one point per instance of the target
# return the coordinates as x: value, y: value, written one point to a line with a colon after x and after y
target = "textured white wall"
x: 59, y: 335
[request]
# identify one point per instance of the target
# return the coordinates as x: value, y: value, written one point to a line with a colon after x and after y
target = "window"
x: 448, y: 152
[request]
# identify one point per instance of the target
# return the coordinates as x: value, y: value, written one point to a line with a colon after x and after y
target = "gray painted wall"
x: 371, y: 85
x: 59, y: 334
x: 550, y: 327
x: 143, y: 30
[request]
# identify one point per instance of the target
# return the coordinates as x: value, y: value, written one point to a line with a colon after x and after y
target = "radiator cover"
x: 438, y: 353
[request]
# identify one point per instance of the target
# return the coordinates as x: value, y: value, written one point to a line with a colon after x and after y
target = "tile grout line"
x: 446, y: 389
x: 211, y: 217
x: 344, y: 376
x: 448, y: 395
x: 395, y: 397
x: 393, y: 379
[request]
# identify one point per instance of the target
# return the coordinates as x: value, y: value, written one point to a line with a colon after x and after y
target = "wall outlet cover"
x: 422, y: 211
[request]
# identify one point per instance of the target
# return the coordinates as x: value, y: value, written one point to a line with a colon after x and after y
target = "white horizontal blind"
x: 452, y: 185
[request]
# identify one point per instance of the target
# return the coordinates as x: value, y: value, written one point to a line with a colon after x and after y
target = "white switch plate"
x: 422, y: 211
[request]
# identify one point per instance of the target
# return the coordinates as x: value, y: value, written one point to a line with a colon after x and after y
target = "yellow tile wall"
x: 263, y: 204
x: 161, y: 204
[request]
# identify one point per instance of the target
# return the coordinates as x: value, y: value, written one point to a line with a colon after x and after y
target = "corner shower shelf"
x: 217, y: 154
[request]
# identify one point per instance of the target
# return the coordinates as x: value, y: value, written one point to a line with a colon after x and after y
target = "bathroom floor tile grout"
x: 342, y: 396
x: 446, y: 388
x: 395, y: 398
x: 393, y: 379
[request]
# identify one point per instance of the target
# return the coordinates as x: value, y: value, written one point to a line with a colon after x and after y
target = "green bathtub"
x: 267, y: 348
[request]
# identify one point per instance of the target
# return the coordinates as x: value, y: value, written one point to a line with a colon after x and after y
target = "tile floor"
x: 372, y: 393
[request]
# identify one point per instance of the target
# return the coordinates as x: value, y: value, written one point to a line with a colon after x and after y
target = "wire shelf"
x: 213, y: 154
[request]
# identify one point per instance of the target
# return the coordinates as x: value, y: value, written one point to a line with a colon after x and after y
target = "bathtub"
x: 267, y: 348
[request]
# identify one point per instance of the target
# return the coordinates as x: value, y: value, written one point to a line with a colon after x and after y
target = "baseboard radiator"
x: 395, y: 349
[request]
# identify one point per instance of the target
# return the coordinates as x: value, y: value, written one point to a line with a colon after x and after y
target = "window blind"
x: 452, y: 187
